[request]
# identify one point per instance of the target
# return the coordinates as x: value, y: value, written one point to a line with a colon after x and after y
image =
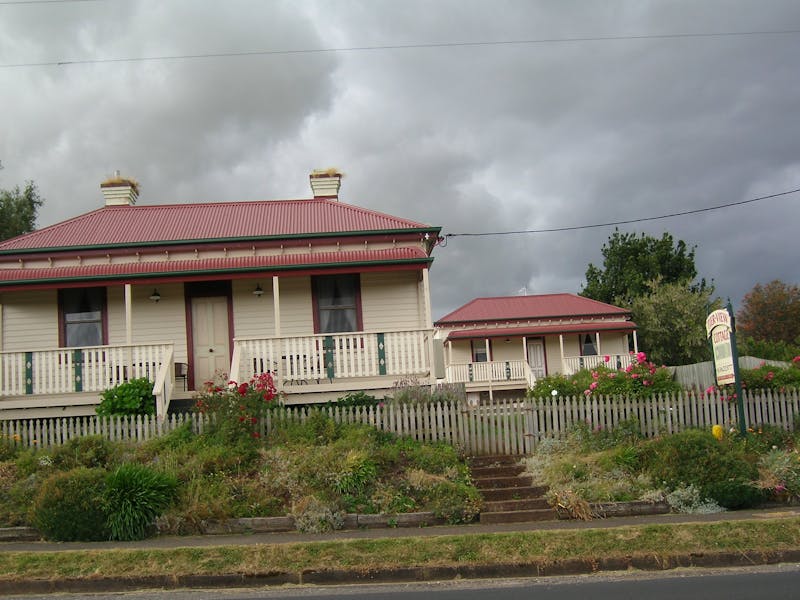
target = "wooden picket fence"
x: 500, y: 427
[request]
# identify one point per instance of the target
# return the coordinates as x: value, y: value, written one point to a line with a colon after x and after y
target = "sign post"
x: 721, y: 328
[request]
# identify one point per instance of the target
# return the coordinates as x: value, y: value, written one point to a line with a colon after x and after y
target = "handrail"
x: 236, y: 359
x: 105, y: 347
x: 324, y: 335
x: 164, y: 383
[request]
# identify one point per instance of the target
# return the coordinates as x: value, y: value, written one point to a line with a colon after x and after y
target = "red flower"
x: 243, y: 387
x: 256, y: 434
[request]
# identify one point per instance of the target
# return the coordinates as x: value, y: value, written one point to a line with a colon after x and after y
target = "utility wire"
x: 641, y: 220
x: 666, y: 36
x: 7, y: 2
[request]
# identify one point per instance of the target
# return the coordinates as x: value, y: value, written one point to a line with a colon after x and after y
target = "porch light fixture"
x: 155, y: 296
x: 258, y: 292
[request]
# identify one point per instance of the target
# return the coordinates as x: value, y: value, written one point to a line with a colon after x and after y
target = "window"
x: 337, y: 303
x: 588, y: 348
x: 479, y: 352
x: 82, y: 317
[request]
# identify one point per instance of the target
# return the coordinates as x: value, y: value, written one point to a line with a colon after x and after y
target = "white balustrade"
x: 91, y: 369
x: 498, y: 370
x: 573, y: 364
x: 313, y: 358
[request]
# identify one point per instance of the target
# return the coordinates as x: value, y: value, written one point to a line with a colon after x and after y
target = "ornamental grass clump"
x: 134, y: 496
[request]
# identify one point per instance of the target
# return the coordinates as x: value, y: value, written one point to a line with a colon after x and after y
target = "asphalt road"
x: 776, y: 582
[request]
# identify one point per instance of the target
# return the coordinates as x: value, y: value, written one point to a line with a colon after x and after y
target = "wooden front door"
x: 536, y: 358
x: 210, y: 334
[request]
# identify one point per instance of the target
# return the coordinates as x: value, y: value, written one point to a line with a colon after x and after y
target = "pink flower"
x: 629, y: 368
x: 769, y: 376
x: 587, y: 392
x: 593, y: 385
x: 607, y: 358
x: 634, y: 376
x: 646, y: 382
x: 796, y: 359
x: 612, y: 375
x: 710, y: 390
x: 641, y: 357
x: 595, y: 374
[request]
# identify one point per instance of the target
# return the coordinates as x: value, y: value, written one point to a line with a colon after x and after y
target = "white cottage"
x: 327, y: 296
x: 499, y: 346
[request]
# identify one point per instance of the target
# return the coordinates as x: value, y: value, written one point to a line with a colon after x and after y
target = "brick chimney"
x: 325, y: 183
x: 120, y: 191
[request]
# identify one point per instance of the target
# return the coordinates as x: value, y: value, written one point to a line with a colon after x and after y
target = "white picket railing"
x: 573, y: 364
x: 91, y: 369
x: 313, y: 358
x: 499, y: 427
x: 492, y: 371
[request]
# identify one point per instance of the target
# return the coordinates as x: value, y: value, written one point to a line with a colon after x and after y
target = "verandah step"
x: 488, y: 461
x: 518, y: 493
x: 496, y: 471
x: 492, y: 483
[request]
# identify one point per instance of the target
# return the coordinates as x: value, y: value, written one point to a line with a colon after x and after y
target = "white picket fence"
x: 500, y: 427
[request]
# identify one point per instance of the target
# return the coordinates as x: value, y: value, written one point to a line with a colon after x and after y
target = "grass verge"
x: 363, y: 556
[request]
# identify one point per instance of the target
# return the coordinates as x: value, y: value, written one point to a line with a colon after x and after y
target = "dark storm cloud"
x: 488, y: 138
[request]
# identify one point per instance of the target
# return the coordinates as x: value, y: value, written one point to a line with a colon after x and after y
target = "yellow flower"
x: 717, y: 431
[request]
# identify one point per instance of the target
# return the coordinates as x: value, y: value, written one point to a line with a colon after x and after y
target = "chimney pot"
x: 325, y: 183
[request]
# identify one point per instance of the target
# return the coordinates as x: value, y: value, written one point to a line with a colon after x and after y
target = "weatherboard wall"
x: 30, y: 321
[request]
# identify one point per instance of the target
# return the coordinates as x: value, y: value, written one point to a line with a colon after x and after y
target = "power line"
x: 609, y: 224
x: 665, y: 36
x: 46, y: 1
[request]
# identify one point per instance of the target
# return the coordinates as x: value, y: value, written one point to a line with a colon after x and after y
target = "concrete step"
x: 519, y: 516
x: 491, y: 483
x: 509, y: 493
x: 512, y: 505
x: 496, y: 471
x: 488, y: 461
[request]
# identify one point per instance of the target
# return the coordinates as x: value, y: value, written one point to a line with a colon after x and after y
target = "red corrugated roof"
x: 245, y: 264
x: 120, y: 225
x: 536, y: 330
x: 519, y: 308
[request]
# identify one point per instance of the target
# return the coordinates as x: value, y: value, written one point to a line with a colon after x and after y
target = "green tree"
x: 768, y: 323
x: 18, y: 209
x: 631, y: 262
x: 670, y: 320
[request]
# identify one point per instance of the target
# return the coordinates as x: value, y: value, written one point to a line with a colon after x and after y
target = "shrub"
x: 238, y: 410
x: 453, y: 501
x: 135, y: 495
x: 90, y: 451
x: 719, y: 470
x: 779, y: 472
x: 642, y: 378
x: 69, y: 506
x: 771, y: 377
x: 134, y: 397
x: 357, y: 473
x: 312, y: 515
x: 687, y: 500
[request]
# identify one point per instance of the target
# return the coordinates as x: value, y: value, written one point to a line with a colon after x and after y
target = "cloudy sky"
x: 475, y: 115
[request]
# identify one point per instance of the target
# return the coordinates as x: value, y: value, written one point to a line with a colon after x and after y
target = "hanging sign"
x: 718, y: 328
